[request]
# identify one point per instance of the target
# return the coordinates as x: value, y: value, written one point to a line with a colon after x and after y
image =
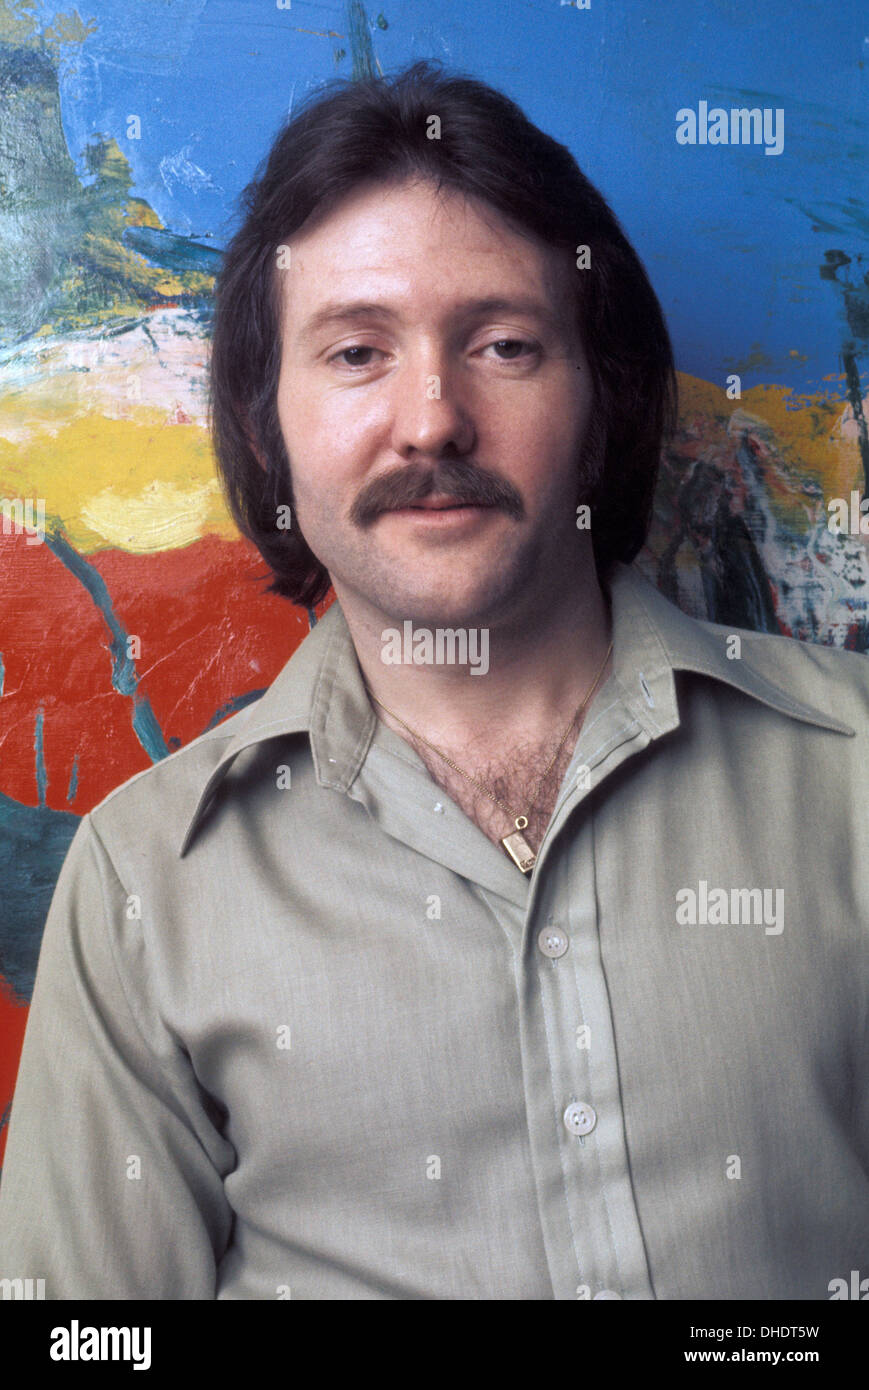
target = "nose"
x: 429, y: 415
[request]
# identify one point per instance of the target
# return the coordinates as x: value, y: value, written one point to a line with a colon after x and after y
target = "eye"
x: 511, y: 349
x: 354, y: 356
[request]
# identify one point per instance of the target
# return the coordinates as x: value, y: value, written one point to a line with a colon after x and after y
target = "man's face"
x: 430, y: 356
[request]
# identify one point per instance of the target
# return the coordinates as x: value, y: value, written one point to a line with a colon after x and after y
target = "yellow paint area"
x: 162, y: 517
x: 815, y: 435
x: 139, y: 484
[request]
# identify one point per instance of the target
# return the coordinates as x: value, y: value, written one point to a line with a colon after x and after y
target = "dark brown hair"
x: 376, y: 129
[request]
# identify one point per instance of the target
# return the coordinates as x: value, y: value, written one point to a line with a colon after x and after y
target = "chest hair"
x: 512, y: 779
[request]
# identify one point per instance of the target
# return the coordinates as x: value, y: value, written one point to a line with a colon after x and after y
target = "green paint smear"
x: 360, y: 41
x: 73, y: 255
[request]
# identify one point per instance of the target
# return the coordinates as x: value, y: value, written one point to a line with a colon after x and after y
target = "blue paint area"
x: 33, y: 845
x: 125, y: 678
x: 73, y: 780
x: 147, y: 729
x: 312, y: 618
x: 39, y: 749
x: 172, y: 252
x: 2, y: 673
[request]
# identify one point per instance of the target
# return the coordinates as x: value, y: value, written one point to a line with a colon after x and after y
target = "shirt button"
x: 608, y: 1293
x: 579, y: 1118
x: 552, y: 942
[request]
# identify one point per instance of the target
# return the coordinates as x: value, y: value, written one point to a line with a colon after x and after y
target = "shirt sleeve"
x: 112, y: 1186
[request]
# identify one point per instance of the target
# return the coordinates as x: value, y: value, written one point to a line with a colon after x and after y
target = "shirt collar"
x: 320, y: 689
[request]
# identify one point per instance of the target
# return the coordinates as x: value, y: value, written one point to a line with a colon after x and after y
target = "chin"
x: 444, y: 607
x: 450, y: 592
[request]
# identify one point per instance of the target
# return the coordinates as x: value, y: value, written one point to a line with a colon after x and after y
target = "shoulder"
x: 791, y: 674
x: 830, y: 679
x: 161, y: 799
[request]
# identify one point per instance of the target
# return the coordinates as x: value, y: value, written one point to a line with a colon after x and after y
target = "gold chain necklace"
x: 515, y: 844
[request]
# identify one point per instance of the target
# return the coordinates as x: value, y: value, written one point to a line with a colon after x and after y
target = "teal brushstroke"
x: 73, y: 780
x: 361, y: 47
x: 2, y: 673
x: 170, y: 251
x: 39, y: 749
x: 125, y: 678
x: 33, y: 844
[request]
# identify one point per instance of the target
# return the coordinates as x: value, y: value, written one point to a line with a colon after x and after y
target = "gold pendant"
x: 518, y: 847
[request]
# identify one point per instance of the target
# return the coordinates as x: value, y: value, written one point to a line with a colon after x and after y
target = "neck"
x: 541, y: 664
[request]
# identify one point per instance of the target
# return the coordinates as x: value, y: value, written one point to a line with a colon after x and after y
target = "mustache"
x: 457, y: 479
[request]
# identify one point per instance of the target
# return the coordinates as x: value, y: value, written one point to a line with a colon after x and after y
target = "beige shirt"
x: 301, y: 1030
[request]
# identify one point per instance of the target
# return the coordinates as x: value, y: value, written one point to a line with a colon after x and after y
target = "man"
x: 513, y: 945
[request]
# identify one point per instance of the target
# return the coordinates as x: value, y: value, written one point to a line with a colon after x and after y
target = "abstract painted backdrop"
x: 136, y: 619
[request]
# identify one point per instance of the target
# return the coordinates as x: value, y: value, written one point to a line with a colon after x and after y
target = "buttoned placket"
x: 590, y: 1220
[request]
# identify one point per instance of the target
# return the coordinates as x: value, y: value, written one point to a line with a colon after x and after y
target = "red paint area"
x: 208, y: 634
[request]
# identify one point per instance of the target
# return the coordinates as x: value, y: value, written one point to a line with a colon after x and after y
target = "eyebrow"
x: 337, y: 311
